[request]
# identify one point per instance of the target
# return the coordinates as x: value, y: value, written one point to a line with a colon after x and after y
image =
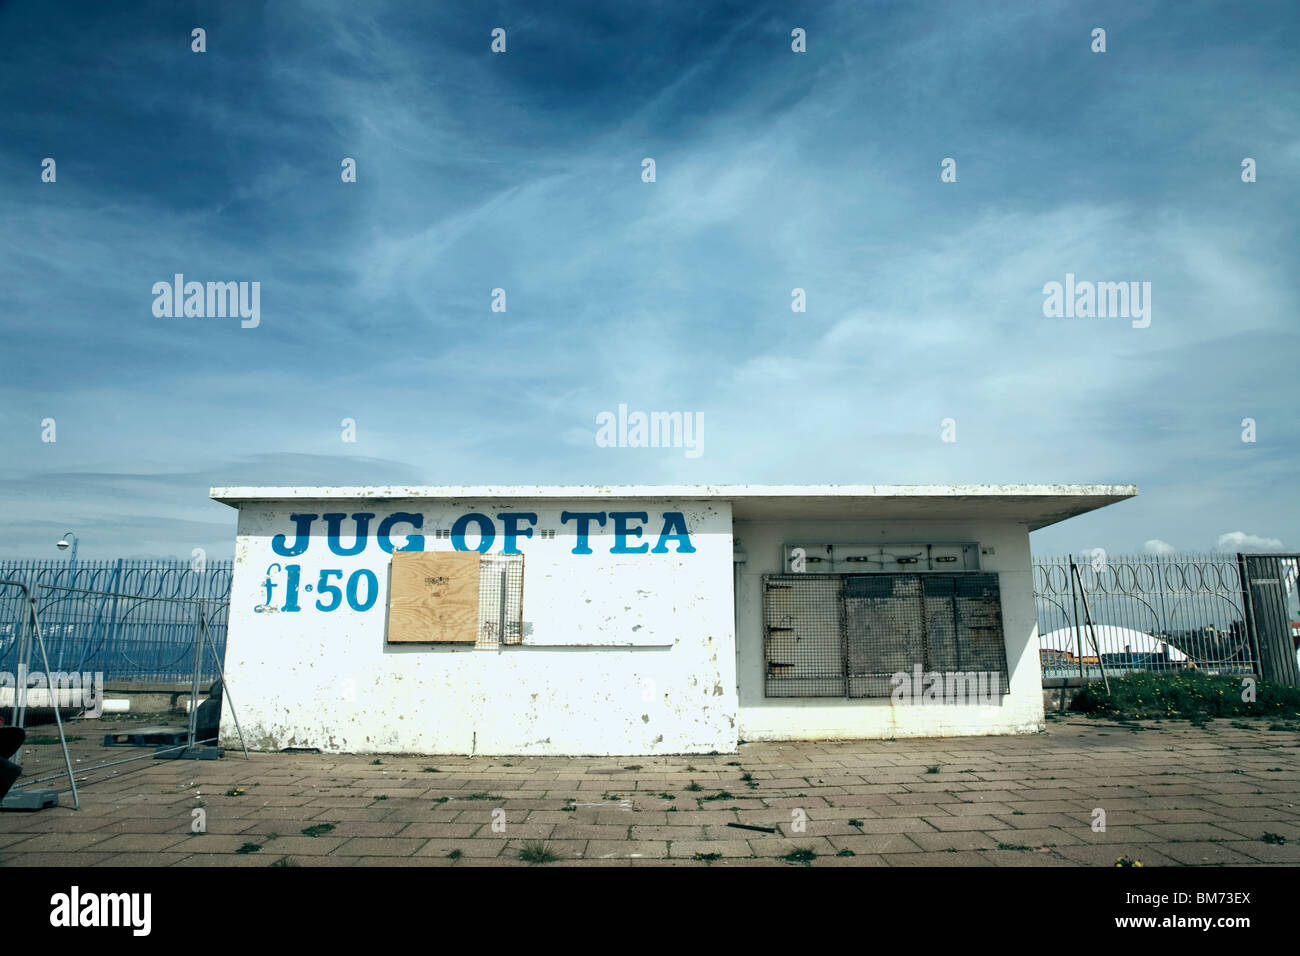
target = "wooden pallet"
x: 147, y: 737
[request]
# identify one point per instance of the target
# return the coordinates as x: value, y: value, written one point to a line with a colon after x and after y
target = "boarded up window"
x: 847, y: 635
x: 434, y: 597
x: 456, y: 597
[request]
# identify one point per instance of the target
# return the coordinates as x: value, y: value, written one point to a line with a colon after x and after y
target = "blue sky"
x: 522, y: 171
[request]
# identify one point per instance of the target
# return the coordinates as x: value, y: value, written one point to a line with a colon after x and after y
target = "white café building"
x: 610, y: 620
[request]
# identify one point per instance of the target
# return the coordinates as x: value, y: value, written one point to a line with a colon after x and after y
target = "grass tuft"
x: 802, y: 856
x: 538, y: 851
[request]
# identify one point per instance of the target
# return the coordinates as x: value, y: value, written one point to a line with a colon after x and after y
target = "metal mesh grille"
x: 847, y: 635
x: 500, y: 600
x: 884, y: 629
x: 981, y: 638
x: 805, y: 650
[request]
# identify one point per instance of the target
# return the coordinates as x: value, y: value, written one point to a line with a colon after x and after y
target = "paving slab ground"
x: 1171, y: 795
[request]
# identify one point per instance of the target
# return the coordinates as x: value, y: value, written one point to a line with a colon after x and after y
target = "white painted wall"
x: 761, y: 718
x: 628, y: 653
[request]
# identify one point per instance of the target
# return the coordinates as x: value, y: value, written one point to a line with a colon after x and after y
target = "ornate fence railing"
x: 1147, y: 613
x: 129, y: 619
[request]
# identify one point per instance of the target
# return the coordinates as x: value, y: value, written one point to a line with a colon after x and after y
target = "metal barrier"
x: 1103, y: 613
x: 130, y: 620
x: 38, y: 683
x: 30, y: 638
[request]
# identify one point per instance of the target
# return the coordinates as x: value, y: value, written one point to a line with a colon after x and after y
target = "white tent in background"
x: 1111, y: 639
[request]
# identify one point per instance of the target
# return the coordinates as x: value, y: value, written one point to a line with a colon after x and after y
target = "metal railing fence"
x: 127, y: 619
x: 1147, y: 612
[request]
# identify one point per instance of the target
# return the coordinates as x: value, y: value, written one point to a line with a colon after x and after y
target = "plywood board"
x: 433, y: 598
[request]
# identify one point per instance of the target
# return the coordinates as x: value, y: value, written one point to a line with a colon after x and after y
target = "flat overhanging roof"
x: 1037, y: 506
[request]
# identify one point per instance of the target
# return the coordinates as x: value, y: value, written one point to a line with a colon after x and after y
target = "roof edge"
x: 235, y: 495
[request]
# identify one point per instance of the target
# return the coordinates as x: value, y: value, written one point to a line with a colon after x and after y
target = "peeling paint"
x: 602, y: 625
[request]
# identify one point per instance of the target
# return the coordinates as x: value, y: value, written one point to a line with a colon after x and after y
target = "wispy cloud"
x: 523, y: 171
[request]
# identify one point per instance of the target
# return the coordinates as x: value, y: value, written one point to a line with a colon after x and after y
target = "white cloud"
x: 1156, y: 546
x: 1240, y: 541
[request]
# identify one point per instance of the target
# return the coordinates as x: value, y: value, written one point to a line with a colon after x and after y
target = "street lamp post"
x: 69, y: 540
